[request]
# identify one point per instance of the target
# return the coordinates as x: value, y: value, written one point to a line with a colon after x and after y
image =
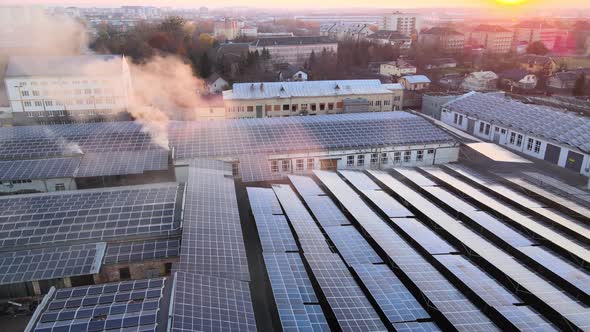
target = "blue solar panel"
x: 129, y: 305
x: 426, y: 238
x: 38, y: 169
x: 142, y: 250
x: 351, y: 245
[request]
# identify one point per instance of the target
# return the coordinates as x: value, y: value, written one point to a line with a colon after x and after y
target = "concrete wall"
x: 47, y: 185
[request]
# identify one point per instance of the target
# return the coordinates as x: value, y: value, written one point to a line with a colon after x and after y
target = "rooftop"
x: 289, y: 41
x: 544, y: 122
x: 388, y: 34
x: 414, y: 79
x: 442, y: 31
x: 83, y: 65
x: 267, y: 90
x: 490, y: 28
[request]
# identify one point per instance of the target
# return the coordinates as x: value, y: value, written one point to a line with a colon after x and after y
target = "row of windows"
x: 458, y: 120
x: 87, y: 101
x: 285, y: 165
x: 45, y: 83
x: 37, y: 93
x: 62, y: 113
x: 532, y: 144
x: 383, y: 158
x: 286, y: 107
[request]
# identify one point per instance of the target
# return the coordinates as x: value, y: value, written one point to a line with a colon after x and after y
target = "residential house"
x: 292, y: 73
x: 518, y: 79
x: 480, y: 81
x: 345, y: 31
x: 415, y: 82
x: 216, y: 83
x: 393, y: 38
x: 538, y: 64
x: 399, y: 67
x: 493, y: 38
x: 442, y: 38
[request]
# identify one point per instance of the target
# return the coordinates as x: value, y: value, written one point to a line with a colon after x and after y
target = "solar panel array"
x: 142, y: 250
x: 255, y: 168
x: 38, y: 168
x: 211, y: 292
x: 433, y: 286
x: 562, y: 188
x: 84, y: 215
x: 571, y: 311
x: 122, y: 163
x: 291, y: 286
x: 273, y: 135
x: 123, y: 306
x: 50, y: 263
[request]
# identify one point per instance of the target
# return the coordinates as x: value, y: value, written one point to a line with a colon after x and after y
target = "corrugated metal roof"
x: 267, y: 90
x: 413, y: 79
x: 85, y: 65
x: 544, y: 122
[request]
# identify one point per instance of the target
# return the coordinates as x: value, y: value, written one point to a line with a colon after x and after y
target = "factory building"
x: 293, y: 50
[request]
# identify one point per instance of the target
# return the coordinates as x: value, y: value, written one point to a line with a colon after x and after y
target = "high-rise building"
x: 495, y: 39
x: 405, y: 23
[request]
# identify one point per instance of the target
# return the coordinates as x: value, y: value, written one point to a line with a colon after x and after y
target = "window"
x: 299, y: 164
x: 60, y: 187
x: 512, y: 137
x: 519, y: 140
x: 267, y: 108
x: 38, y: 103
x: 124, y: 273
x: 304, y: 107
x: 36, y: 93
x: 274, y: 166
x: 537, y: 146
x: 397, y: 98
x: 378, y: 103
x: 529, y: 144
x: 420, y: 155
x: 313, y: 107
x: 250, y: 108
x: 397, y: 157
x: 481, y: 127
x: 460, y: 120
x: 360, y: 160
x: 322, y: 106
x: 407, y: 156
x: 277, y: 108
x: 456, y: 118
x: 27, y: 104
x: 310, y: 163
x: 330, y: 106
x: 285, y: 165
x: 285, y: 107
x: 430, y: 151
x: 487, y: 129
x: 24, y: 93
x: 350, y: 161
x: 294, y: 108
x: 384, y: 159
x: 48, y: 103
x: 374, y: 159
x: 503, y: 131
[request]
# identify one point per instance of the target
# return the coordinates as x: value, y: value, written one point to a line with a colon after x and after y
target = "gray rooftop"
x: 544, y: 122
x: 85, y: 65
x: 289, y: 41
x: 267, y: 90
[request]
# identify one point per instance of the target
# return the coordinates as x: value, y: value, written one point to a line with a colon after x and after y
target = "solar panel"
x: 38, y: 169
x: 123, y: 306
x: 549, y: 182
x: 273, y: 230
x: 413, y: 175
x: 426, y: 238
x: 212, y: 240
x: 516, y: 218
x: 452, y: 304
x: 352, y: 246
x: 256, y: 167
x: 317, y: 318
x: 394, y: 299
x: 544, y: 290
x: 97, y: 214
x: 292, y: 291
x: 122, y: 162
x: 136, y: 251
x: 351, y: 308
x: 500, y: 229
x: 205, y: 303
x: 310, y: 237
x: 50, y: 263
x: 416, y: 327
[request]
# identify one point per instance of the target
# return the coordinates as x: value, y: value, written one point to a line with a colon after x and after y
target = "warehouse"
x: 280, y: 99
x: 556, y: 136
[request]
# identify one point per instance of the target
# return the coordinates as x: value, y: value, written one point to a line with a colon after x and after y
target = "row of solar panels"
x: 452, y: 280
x: 87, y: 165
x: 66, y: 234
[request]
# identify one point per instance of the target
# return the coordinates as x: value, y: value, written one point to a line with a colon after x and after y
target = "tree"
x: 537, y: 47
x: 579, y: 86
x: 205, y: 66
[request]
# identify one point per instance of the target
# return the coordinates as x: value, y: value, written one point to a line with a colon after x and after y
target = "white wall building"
x: 44, y: 89
x: 293, y: 50
x: 541, y: 132
x: 405, y: 23
x: 279, y: 99
x: 397, y: 68
x: 480, y: 81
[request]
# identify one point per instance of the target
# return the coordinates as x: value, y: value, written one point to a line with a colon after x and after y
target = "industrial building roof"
x: 544, y: 122
x: 290, y: 41
x: 266, y: 90
x: 414, y: 79
x: 83, y: 65
x: 389, y: 35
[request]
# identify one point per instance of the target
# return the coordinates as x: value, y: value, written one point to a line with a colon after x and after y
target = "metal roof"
x: 544, y: 122
x: 266, y: 90
x: 288, y: 41
x: 413, y: 79
x: 85, y: 65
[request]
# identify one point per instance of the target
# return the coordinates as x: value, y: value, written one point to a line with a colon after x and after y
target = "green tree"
x: 205, y: 66
x: 579, y: 86
x: 537, y: 47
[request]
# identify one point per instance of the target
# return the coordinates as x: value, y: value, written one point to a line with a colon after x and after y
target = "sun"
x: 511, y: 2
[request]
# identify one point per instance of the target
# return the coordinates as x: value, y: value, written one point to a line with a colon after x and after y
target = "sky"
x: 315, y: 4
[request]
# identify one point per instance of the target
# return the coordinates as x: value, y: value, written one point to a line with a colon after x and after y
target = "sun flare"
x: 511, y: 2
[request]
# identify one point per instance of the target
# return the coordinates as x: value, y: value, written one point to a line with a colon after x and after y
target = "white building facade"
x: 47, y: 89
x: 405, y: 23
x: 293, y: 50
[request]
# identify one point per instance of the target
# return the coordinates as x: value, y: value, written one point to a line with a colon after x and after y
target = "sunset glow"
x: 511, y: 2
